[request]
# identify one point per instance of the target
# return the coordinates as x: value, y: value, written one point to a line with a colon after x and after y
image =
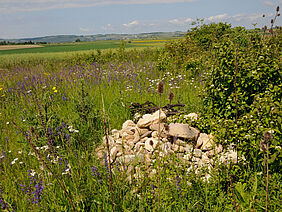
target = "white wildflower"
x: 14, y: 161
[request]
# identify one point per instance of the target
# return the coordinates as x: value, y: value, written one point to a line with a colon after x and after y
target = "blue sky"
x: 34, y: 18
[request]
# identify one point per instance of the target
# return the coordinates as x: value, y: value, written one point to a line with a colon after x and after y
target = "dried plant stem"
x: 160, y: 91
x: 46, y: 165
x: 267, y: 177
x: 236, y: 97
x: 108, y: 149
x: 159, y: 141
x: 233, y: 194
x: 44, y: 126
x: 235, y: 84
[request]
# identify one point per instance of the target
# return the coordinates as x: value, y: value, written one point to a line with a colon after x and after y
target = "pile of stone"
x: 152, y: 137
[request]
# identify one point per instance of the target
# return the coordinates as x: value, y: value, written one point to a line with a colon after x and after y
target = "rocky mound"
x: 141, y: 142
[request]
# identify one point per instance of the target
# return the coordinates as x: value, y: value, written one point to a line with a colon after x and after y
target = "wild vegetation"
x: 53, y: 117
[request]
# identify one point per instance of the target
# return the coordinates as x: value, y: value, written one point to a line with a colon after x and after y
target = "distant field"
x: 13, y: 47
x: 82, y: 46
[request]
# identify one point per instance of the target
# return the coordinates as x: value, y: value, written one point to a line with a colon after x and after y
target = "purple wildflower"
x: 178, y: 182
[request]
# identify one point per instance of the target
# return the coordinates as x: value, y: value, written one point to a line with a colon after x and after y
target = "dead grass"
x: 9, y: 47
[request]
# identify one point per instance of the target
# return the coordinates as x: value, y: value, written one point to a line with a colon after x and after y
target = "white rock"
x: 164, y: 140
x: 208, y: 142
x: 119, y: 141
x: 197, y: 153
x: 141, y: 131
x: 147, y: 134
x: 205, y: 158
x: 115, y: 134
x: 138, y: 146
x: 155, y: 134
x: 114, y: 151
x: 187, y: 157
x: 155, y: 127
x: 218, y: 149
x: 149, y: 119
x: 183, y: 131
x: 128, y: 124
x: 110, y: 140
x: 180, y: 142
x: 188, y: 148
x: 150, y: 144
x: 177, y: 148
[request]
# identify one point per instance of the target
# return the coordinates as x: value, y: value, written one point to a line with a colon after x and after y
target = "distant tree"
x: 77, y: 40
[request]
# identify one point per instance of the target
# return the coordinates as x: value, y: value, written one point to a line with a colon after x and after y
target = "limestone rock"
x: 147, y: 134
x: 138, y: 146
x: 180, y: 142
x: 183, y: 131
x: 205, y: 158
x: 115, y: 134
x: 114, y: 152
x: 219, y: 148
x: 208, y: 142
x: 110, y: 140
x: 128, y: 124
x: 197, y: 153
x: 150, y: 144
x: 188, y: 148
x: 155, y: 127
x: 155, y: 134
x: 149, y: 119
x: 141, y: 131
x: 177, y: 148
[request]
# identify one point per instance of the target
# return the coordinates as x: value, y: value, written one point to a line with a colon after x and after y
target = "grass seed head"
x: 268, y: 136
x: 161, y: 87
x: 171, y: 96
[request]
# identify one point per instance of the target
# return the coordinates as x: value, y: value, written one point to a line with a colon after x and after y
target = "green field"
x: 83, y: 46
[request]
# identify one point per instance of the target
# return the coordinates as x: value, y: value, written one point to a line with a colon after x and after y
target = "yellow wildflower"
x: 54, y: 88
x: 3, y: 95
x: 1, y: 89
x: 55, y: 91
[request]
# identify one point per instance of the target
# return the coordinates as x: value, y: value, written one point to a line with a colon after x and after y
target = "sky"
x: 36, y: 18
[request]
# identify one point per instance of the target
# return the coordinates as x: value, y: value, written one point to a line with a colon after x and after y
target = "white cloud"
x: 217, y: 17
x: 131, y: 24
x: 180, y: 21
x: 187, y: 20
x: 36, y: 5
x: 249, y: 17
x: 175, y: 21
x: 238, y: 17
